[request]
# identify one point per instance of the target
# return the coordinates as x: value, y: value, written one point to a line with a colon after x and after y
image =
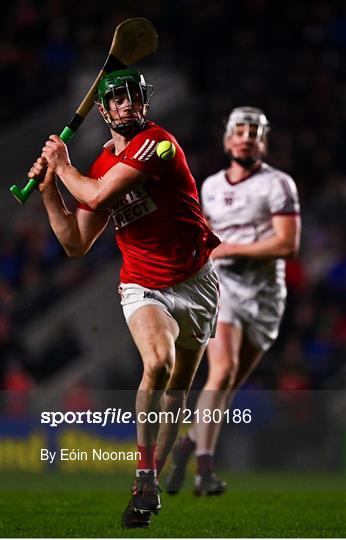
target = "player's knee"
x: 158, y: 370
x: 224, y: 379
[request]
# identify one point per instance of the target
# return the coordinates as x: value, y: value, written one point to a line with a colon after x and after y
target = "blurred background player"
x: 254, y: 210
x: 169, y: 288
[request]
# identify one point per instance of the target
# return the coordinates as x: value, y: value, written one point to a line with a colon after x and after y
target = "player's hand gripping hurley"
x: 133, y: 40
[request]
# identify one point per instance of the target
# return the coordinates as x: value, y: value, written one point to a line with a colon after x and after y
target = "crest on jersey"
x: 228, y: 198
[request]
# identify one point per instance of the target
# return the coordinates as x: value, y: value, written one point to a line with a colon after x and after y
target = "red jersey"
x: 160, y: 228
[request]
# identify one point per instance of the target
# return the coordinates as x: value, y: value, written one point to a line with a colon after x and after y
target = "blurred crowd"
x: 288, y: 59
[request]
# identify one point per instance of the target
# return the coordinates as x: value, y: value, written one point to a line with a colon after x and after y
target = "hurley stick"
x: 133, y: 40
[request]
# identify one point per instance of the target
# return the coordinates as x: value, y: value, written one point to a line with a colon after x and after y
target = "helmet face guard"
x: 249, y: 116
x: 127, y: 83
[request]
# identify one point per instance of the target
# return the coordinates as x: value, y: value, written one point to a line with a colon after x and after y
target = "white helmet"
x: 248, y: 116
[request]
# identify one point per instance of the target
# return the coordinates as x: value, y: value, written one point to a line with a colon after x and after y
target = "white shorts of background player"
x: 258, y: 313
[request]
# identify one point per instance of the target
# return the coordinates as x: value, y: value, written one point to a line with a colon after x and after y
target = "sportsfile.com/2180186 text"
x: 119, y: 416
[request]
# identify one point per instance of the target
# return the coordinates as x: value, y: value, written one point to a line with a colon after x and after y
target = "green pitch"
x: 256, y: 505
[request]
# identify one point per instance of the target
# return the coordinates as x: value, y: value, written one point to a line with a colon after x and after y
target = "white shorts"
x: 194, y: 305
x: 259, y: 316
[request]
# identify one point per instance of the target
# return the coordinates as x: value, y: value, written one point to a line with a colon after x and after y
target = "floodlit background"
x: 63, y: 341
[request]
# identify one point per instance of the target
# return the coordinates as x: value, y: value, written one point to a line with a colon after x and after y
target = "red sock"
x: 146, y: 460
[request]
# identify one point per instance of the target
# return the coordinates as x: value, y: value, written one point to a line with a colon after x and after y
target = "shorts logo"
x: 121, y: 292
x: 149, y: 294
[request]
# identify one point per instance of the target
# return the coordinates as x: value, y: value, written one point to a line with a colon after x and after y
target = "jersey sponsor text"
x: 133, y: 206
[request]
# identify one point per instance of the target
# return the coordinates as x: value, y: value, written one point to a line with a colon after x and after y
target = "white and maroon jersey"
x: 160, y: 227
x: 241, y: 213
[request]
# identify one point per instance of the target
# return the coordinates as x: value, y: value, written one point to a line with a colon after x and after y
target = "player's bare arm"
x: 76, y: 232
x: 99, y: 195
x: 283, y: 244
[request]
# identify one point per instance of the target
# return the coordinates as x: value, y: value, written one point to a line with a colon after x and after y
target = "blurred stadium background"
x: 63, y: 341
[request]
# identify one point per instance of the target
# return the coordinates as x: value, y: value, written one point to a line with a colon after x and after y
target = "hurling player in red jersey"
x: 169, y: 289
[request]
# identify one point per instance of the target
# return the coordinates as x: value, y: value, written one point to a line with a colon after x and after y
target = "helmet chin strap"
x: 129, y: 129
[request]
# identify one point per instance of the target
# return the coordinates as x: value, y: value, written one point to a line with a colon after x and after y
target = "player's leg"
x: 154, y: 333
x: 193, y: 307
x: 224, y: 378
x: 223, y: 359
x: 243, y: 357
x: 206, y: 481
x: 186, y: 364
x: 231, y: 359
x: 250, y: 355
x: 223, y: 364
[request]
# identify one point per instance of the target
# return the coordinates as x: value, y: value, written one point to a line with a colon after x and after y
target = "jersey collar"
x: 246, y: 177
